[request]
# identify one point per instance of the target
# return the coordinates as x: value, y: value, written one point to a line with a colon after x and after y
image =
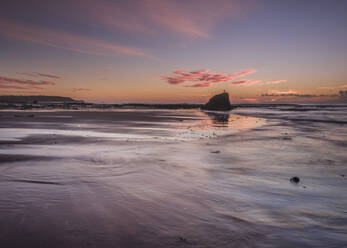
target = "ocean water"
x: 175, y: 178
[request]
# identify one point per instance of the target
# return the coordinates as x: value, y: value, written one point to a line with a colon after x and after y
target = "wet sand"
x: 157, y: 178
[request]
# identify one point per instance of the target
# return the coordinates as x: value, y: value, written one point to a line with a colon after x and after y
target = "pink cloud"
x: 294, y: 94
x: 176, y: 17
x: 239, y: 82
x: 203, y: 76
x: 256, y: 82
x: 80, y: 89
x: 249, y: 99
x: 173, y: 80
x: 28, y: 74
x: 23, y: 84
x: 193, y: 18
x: 344, y: 86
x: 67, y: 41
x: 199, y: 85
x: 180, y: 72
x: 37, y: 74
x: 244, y: 73
x: 283, y: 92
x: 14, y: 87
x: 49, y: 75
x: 276, y: 81
x: 7, y: 80
x: 246, y: 82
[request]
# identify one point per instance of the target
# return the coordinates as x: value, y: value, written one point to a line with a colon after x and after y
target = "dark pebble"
x: 184, y: 240
x: 295, y: 180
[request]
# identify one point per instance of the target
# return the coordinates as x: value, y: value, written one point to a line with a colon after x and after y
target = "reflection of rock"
x: 218, y: 119
x: 218, y: 102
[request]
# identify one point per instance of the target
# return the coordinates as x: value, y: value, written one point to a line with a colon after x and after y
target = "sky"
x: 175, y: 50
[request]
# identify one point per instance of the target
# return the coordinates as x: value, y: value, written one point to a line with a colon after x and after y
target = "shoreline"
x: 208, y: 191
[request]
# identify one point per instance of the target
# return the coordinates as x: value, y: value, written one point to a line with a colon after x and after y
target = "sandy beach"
x: 174, y: 178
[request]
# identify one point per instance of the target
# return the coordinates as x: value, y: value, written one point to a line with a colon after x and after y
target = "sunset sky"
x: 175, y: 50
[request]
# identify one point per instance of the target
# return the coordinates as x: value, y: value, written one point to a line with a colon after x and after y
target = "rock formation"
x: 218, y: 102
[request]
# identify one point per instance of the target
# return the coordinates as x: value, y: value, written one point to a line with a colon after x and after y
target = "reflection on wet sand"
x: 162, y: 179
x: 218, y: 119
x: 228, y: 121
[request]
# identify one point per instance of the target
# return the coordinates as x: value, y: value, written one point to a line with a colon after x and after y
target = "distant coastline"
x: 59, y: 102
x: 34, y: 99
x: 42, y: 102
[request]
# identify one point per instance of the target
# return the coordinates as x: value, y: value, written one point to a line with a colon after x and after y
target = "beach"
x: 174, y: 178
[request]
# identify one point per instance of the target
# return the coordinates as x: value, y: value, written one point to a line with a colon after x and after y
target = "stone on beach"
x: 218, y: 102
x: 295, y: 180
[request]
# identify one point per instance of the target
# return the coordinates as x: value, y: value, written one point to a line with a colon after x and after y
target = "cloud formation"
x: 257, y: 82
x: 204, y: 78
x: 276, y: 81
x: 80, y: 89
x: 37, y: 74
x: 49, y: 75
x: 193, y: 18
x: 283, y: 92
x: 199, y: 85
x: 292, y: 93
x: 23, y: 84
x: 344, y: 86
x: 24, y: 81
x: 246, y: 82
x: 14, y: 87
x: 67, y: 41
x: 248, y: 99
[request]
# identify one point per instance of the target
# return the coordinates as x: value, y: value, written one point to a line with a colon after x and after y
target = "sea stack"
x: 218, y: 102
